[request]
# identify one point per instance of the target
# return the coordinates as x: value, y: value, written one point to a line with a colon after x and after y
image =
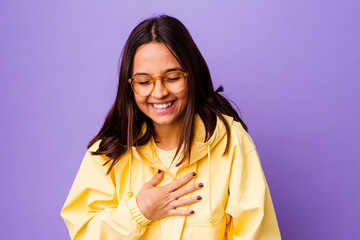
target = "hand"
x: 158, y: 202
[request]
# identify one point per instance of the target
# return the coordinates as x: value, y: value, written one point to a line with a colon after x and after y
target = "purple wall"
x: 292, y: 67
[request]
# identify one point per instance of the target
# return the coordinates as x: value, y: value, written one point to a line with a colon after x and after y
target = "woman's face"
x: 162, y: 107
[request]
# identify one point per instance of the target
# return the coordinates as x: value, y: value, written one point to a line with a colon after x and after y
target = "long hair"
x: 123, y: 124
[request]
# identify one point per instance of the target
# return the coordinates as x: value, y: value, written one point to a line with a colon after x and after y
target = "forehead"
x: 153, y: 58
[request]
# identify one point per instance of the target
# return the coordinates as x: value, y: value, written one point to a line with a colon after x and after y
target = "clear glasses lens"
x: 142, y: 85
x: 173, y: 82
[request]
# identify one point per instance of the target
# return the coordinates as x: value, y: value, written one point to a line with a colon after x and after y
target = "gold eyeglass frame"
x: 153, y: 79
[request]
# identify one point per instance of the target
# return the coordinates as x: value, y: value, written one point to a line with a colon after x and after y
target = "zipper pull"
x: 130, y: 194
x: 210, y: 221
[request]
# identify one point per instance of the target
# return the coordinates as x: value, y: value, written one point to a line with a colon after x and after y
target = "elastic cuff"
x: 136, y: 213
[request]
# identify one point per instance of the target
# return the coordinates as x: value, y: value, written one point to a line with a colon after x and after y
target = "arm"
x: 92, y: 210
x: 249, y: 204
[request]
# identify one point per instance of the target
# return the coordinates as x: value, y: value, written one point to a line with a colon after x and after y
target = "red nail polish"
x: 201, y: 185
x: 194, y: 173
x: 198, y: 197
x: 159, y: 171
x: 192, y: 212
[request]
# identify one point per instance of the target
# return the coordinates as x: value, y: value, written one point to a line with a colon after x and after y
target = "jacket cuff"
x: 136, y: 213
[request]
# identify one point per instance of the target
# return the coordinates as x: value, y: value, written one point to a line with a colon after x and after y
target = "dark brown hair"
x: 203, y: 100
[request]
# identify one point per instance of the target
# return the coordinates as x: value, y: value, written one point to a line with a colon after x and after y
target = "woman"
x: 180, y: 162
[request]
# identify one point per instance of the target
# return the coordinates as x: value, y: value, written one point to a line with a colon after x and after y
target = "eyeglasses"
x: 173, y: 82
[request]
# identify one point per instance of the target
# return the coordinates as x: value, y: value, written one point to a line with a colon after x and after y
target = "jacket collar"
x: 199, y: 148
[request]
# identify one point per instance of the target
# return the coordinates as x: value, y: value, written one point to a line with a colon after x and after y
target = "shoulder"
x: 91, y: 153
x: 239, y: 136
x: 95, y: 146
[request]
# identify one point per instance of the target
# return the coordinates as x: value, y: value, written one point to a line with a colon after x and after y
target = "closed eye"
x: 172, y: 79
x: 144, y: 82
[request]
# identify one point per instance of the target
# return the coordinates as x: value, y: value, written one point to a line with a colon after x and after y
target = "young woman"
x: 173, y: 159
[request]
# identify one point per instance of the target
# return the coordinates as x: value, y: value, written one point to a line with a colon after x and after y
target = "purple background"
x: 292, y: 67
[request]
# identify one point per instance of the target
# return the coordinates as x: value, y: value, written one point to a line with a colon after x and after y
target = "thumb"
x: 156, y: 179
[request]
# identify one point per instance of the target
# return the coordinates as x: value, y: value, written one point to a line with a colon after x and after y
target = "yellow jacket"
x: 236, y: 200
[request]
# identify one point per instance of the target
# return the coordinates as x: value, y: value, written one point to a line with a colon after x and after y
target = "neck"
x: 167, y: 137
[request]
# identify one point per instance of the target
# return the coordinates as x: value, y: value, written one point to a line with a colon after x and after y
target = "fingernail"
x: 201, y: 185
x: 192, y: 212
x: 194, y: 173
x: 198, y: 198
x: 159, y: 171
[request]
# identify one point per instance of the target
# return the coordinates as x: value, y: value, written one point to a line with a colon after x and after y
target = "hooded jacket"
x: 236, y: 202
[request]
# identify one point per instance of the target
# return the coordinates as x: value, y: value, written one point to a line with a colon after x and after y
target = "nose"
x: 159, y: 90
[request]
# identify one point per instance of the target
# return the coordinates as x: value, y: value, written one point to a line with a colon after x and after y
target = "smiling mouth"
x: 162, y: 106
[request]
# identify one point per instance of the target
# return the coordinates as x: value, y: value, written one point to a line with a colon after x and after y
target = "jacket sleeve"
x: 252, y: 214
x: 92, y: 209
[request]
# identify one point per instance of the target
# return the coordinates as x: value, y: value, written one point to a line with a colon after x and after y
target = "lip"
x: 165, y: 110
x: 163, y: 102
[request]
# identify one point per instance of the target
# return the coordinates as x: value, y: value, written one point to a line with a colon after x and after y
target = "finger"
x: 156, y: 179
x: 175, y: 212
x: 185, y: 202
x: 185, y: 190
x: 180, y: 182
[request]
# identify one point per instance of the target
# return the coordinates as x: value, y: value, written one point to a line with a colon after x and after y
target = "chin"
x: 163, y: 120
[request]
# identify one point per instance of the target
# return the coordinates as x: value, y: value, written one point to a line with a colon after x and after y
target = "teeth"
x: 162, y: 106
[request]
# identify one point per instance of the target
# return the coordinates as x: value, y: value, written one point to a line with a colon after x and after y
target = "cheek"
x: 184, y: 96
x: 140, y: 101
x: 184, y: 99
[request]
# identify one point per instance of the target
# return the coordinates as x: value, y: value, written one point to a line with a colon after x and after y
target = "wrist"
x: 135, y: 211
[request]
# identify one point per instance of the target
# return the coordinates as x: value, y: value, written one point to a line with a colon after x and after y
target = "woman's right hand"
x: 158, y: 202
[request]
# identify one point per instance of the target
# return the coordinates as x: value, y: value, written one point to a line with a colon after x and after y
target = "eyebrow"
x: 166, y: 71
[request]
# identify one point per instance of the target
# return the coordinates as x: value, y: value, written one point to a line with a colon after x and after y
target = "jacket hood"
x: 199, y: 147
